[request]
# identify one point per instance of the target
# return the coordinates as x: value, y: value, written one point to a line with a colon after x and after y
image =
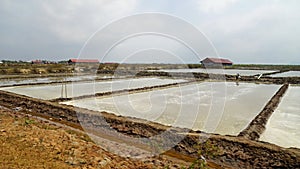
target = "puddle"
x: 283, y: 127
x: 214, y: 107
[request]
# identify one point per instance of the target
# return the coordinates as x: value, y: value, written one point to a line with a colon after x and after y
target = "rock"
x: 81, y: 161
x: 71, y: 161
x: 104, y: 162
x: 77, y: 153
x: 98, y: 159
x: 17, y: 108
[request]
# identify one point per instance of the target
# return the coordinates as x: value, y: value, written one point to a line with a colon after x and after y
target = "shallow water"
x: 16, y: 81
x: 221, y: 71
x: 214, y: 107
x: 283, y: 127
x: 287, y: 74
x: 52, y: 91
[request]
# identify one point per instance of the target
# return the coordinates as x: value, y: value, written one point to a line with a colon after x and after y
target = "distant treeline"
x: 21, y: 67
x: 29, y: 62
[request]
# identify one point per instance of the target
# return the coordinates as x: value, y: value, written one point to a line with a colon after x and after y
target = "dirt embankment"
x: 234, y: 151
x: 258, y: 124
x: 276, y: 72
x: 29, y: 76
x: 243, y: 153
x: 264, y: 79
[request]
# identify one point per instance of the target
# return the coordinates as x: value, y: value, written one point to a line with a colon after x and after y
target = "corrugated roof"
x: 84, y: 60
x: 217, y: 60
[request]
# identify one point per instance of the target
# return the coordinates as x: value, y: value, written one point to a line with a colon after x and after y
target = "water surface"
x: 220, y: 71
x: 52, y: 91
x: 283, y: 127
x: 287, y: 74
x: 20, y: 81
x: 214, y: 107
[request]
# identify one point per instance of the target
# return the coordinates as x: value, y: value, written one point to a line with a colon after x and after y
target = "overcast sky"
x: 245, y: 31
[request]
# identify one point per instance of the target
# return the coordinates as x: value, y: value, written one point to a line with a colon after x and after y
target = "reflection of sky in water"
x: 52, y: 91
x: 283, y: 127
x: 220, y: 71
x: 199, y: 106
x: 287, y: 74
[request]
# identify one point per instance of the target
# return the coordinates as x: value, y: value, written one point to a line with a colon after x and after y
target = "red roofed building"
x: 37, y: 62
x: 216, y: 62
x: 74, y: 61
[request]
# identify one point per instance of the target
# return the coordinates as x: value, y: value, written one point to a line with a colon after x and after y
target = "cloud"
x: 150, y: 30
x: 256, y: 33
x: 52, y: 28
x: 239, y: 29
x: 69, y: 20
x: 214, y: 6
x: 244, y: 21
x: 75, y: 20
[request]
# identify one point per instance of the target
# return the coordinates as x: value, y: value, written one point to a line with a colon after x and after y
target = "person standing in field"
x: 238, y: 76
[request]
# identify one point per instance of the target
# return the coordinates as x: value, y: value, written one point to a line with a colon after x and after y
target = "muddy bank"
x: 244, y: 153
x: 272, y: 73
x: 36, y: 106
x: 237, y: 152
x: 263, y: 79
x: 274, y: 80
x: 29, y: 76
x: 258, y: 124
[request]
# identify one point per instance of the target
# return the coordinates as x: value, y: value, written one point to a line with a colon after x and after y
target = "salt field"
x: 287, y: 74
x: 52, y: 91
x: 4, y: 82
x: 20, y: 81
x: 283, y: 128
x: 219, y: 71
x: 214, y: 107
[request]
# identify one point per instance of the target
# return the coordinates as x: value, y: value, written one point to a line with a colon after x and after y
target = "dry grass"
x: 29, y: 143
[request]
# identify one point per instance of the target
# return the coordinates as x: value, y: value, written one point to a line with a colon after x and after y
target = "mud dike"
x: 263, y: 79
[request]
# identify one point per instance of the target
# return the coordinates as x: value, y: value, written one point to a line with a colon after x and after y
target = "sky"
x: 249, y: 32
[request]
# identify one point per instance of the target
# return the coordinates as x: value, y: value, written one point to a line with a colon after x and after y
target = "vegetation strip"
x: 258, y: 124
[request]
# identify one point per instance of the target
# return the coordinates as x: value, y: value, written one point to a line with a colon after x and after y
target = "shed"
x: 37, y: 62
x: 74, y: 61
x: 216, y: 62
